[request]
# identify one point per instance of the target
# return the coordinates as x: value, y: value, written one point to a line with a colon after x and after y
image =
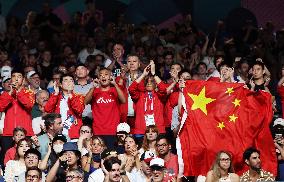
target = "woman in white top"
x: 222, y: 169
x: 17, y: 166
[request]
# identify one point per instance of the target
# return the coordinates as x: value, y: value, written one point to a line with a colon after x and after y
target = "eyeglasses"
x: 32, y: 176
x: 225, y: 159
x: 85, y: 131
x: 162, y: 145
x: 70, y: 178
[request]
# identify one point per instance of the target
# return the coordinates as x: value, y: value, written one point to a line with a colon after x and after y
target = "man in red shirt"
x: 17, y: 105
x: 171, y: 160
x: 105, y: 106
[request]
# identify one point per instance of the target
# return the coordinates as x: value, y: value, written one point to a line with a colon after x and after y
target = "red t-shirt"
x: 10, y: 155
x: 105, y: 109
x: 171, y: 168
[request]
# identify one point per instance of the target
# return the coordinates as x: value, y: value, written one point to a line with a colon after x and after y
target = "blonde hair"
x: 216, y: 165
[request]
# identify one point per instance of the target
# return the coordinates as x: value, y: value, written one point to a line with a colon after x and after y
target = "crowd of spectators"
x: 99, y: 101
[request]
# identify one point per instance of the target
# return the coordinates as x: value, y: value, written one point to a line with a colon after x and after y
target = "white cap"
x: 6, y: 78
x: 278, y: 121
x: 6, y: 71
x: 123, y: 127
x: 30, y: 74
x: 157, y: 162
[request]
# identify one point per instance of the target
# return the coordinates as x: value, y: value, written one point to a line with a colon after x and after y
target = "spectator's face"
x: 151, y: 135
x: 97, y: 147
x: 62, y: 69
x: 157, y: 174
x: 67, y: 51
x: 254, y: 161
x: 225, y: 72
x: 72, y: 58
x: 42, y: 98
x: 17, y: 79
x: 185, y: 76
x: 133, y: 63
x: 140, y: 52
x: 73, y: 177
x: 57, y: 126
x: 145, y: 168
x: 6, y: 85
x: 35, y: 81
x: 31, y: 60
x: 31, y: 160
x: 56, y: 78
x: 114, y: 173
x: 225, y: 161
x: 117, y: 51
x: 219, y: 60
x: 23, y: 147
x: 163, y: 147
x: 244, y: 68
x: 257, y: 72
x: 86, y: 131
x: 33, y: 176
x: 160, y: 50
x: 169, y: 59
x: 81, y: 72
x: 175, y: 68
x: 150, y: 85
x: 202, y: 69
x: 129, y: 144
x: 67, y: 83
x: 71, y: 158
x: 91, y: 43
x: 104, y: 77
x: 46, y: 56
x: 18, y: 136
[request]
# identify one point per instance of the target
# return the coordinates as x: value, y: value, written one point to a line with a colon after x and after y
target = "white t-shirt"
x: 84, y: 54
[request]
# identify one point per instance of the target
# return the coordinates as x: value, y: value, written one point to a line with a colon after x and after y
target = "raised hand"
x: 153, y: 69
x: 56, y: 88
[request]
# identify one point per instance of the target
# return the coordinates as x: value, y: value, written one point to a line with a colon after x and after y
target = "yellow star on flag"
x: 230, y: 90
x: 221, y: 125
x: 237, y: 102
x: 200, y: 101
x: 233, y: 118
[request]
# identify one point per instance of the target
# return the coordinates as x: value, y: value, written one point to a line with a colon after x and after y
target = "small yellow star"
x: 200, y: 101
x: 237, y: 102
x: 233, y: 118
x: 230, y: 90
x: 221, y: 125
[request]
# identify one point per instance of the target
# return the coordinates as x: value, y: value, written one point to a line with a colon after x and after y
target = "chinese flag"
x: 224, y: 116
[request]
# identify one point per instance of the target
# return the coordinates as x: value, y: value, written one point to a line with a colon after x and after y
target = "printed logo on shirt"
x: 101, y: 100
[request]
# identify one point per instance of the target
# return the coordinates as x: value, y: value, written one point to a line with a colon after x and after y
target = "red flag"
x: 225, y: 116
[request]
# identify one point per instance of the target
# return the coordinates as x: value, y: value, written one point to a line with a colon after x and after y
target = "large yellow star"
x: 221, y: 125
x: 230, y: 90
x: 237, y: 102
x: 233, y: 118
x: 200, y: 101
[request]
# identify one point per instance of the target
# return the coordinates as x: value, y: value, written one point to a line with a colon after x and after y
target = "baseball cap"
x: 59, y: 137
x: 123, y: 127
x: 30, y: 74
x: 157, y: 163
x: 6, y: 71
x: 278, y: 121
x: 147, y: 156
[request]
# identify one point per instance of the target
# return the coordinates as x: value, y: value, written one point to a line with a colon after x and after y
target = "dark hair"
x: 224, y: 63
x: 169, y: 53
x: 34, y: 168
x: 130, y: 136
x: 17, y: 70
x: 162, y: 136
x: 201, y: 63
x: 65, y: 75
x: 19, y: 128
x: 258, y: 63
x: 49, y: 119
x: 103, y: 68
x: 247, y: 153
x: 181, y: 67
x: 111, y: 161
x: 17, y: 157
x: 87, y: 126
x: 33, y: 151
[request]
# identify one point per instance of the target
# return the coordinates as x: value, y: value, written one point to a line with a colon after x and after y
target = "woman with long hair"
x: 17, y: 166
x: 92, y: 160
x: 149, y: 141
x: 222, y: 169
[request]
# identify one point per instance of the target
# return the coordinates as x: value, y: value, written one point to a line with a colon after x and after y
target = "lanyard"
x: 149, y: 101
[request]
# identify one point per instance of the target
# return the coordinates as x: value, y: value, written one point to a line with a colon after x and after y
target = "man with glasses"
x: 33, y: 174
x: 75, y: 175
x: 157, y: 166
x: 32, y: 158
x: 170, y: 160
